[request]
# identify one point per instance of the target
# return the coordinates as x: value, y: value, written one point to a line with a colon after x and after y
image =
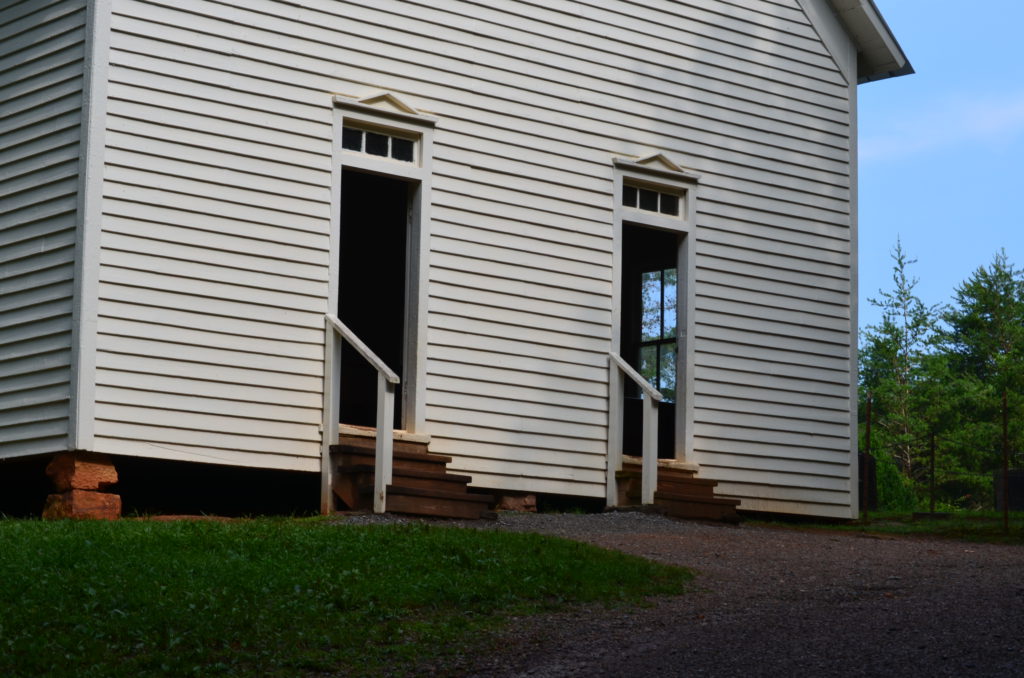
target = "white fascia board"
x: 879, y: 54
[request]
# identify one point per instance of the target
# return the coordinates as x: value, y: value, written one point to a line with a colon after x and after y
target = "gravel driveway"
x: 774, y: 602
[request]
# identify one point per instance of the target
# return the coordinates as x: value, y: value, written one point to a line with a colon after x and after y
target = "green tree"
x: 898, y: 373
x: 950, y: 375
x: 985, y: 343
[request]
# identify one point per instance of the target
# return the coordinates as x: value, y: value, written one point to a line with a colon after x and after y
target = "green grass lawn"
x: 965, y: 525
x: 280, y: 597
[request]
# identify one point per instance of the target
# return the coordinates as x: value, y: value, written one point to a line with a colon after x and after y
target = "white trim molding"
x: 388, y: 113
x: 879, y: 55
x: 657, y: 171
x: 89, y: 226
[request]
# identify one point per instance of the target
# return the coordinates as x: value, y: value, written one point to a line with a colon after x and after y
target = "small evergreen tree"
x: 896, y: 372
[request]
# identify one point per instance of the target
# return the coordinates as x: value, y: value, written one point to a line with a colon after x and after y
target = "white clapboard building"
x: 510, y: 202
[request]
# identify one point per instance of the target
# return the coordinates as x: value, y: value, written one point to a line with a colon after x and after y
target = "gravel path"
x: 774, y: 602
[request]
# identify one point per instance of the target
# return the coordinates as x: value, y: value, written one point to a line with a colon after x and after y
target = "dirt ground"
x: 773, y: 602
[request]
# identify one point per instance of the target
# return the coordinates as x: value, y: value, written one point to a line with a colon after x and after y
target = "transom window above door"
x: 650, y: 200
x: 654, y: 192
x: 378, y: 143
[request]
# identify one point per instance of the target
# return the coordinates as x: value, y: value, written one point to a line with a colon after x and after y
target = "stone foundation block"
x: 82, y: 471
x: 82, y: 504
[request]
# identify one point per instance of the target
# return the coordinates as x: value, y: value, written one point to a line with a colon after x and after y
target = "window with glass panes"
x: 378, y: 143
x: 650, y: 200
x: 658, y: 290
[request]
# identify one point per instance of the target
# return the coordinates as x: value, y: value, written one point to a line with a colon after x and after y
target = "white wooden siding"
x: 214, y: 261
x: 42, y: 51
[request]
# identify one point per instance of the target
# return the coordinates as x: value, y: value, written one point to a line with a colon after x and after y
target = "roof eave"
x: 879, y: 55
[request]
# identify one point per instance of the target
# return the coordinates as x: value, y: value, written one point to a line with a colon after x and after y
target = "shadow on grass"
x: 281, y: 597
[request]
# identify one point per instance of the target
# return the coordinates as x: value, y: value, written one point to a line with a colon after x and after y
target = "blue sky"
x: 942, y: 151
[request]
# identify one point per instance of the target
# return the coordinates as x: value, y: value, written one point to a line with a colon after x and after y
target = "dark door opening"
x: 650, y: 289
x: 372, y: 286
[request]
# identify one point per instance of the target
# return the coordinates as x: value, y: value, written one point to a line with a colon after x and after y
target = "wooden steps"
x: 421, y: 484
x: 679, y: 493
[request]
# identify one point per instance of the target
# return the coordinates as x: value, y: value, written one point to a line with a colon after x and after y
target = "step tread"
x: 702, y: 482
x: 663, y: 474
x: 444, y: 476
x: 360, y: 451
x: 684, y: 487
x: 692, y: 482
x: 363, y: 441
x: 695, y: 499
x: 469, y: 497
x: 663, y: 468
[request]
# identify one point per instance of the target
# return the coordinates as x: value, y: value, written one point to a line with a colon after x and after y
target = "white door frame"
x: 387, y: 114
x: 658, y: 172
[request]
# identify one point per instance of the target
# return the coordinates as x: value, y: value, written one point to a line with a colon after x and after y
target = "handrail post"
x: 616, y: 408
x: 385, y: 442
x: 616, y: 402
x: 332, y: 363
x: 649, y: 477
x: 384, y: 447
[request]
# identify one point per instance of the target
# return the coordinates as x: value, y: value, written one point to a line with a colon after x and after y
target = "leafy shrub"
x: 895, y: 490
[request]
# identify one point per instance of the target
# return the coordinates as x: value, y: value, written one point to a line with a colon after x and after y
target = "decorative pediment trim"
x: 388, y: 100
x: 657, y: 164
x: 384, y: 104
x: 656, y: 159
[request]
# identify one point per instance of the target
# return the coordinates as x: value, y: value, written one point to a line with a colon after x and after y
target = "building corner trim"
x: 89, y: 210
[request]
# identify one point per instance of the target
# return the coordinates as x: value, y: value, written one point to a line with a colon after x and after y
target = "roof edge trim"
x: 879, y: 55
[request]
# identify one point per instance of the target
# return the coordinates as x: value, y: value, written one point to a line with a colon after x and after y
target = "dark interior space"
x: 632, y: 427
x: 24, y: 486
x: 372, y: 286
x: 644, y: 251
x: 158, y: 487
x: 564, y: 503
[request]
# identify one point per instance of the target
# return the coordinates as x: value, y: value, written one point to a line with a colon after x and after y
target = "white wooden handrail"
x: 386, y: 382
x: 637, y: 378
x: 616, y: 409
x: 364, y: 350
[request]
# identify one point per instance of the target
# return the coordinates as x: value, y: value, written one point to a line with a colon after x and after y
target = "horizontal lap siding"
x: 773, y: 284
x: 772, y: 415
x: 773, y: 251
x: 504, y: 439
x: 42, y: 51
x: 220, y: 140
x: 214, y: 256
x: 772, y: 384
